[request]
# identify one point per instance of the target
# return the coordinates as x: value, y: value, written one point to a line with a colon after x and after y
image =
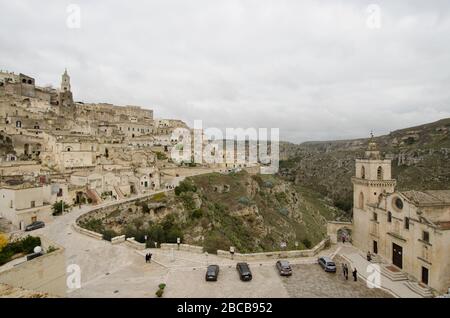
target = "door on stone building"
x: 425, y: 275
x: 397, y: 255
x: 375, y: 247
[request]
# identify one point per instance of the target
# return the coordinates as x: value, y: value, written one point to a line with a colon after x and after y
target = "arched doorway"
x: 344, y: 234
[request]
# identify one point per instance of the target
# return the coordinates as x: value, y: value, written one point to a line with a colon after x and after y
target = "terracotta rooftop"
x: 429, y: 197
x: 443, y: 225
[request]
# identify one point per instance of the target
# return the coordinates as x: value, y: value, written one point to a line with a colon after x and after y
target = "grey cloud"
x: 311, y: 68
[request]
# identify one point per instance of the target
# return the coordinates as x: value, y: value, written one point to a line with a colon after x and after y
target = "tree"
x: 59, y: 207
x: 3, y: 241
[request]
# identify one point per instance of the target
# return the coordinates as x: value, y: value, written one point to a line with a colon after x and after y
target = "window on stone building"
x: 389, y: 216
x: 407, y: 223
x: 426, y: 236
x: 361, y: 201
x: 375, y: 216
x: 380, y: 173
x: 363, y: 172
x: 33, y: 204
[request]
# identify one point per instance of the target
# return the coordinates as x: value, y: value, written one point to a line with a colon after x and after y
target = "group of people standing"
x: 148, y: 257
x: 345, y: 271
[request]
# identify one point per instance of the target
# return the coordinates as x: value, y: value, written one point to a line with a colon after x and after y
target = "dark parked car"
x: 212, y: 273
x: 284, y: 268
x: 244, y: 271
x: 327, y: 264
x: 34, y: 226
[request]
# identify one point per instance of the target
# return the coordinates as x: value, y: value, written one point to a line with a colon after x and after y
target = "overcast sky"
x: 315, y: 69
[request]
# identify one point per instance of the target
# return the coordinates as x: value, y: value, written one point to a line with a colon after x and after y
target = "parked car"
x: 34, y: 226
x: 327, y: 264
x: 244, y: 271
x: 284, y: 268
x: 212, y: 273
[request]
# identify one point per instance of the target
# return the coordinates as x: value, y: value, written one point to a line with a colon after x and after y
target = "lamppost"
x: 232, y: 252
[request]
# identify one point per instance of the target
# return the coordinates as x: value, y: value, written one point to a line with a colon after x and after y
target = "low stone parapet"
x: 118, y: 239
x: 131, y: 242
x: 274, y: 255
x: 92, y: 234
x: 183, y: 247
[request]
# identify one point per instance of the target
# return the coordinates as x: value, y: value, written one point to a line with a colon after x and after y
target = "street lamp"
x: 232, y: 251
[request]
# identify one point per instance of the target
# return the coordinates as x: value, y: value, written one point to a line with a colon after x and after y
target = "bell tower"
x: 372, y: 179
x: 65, y: 97
x: 65, y: 82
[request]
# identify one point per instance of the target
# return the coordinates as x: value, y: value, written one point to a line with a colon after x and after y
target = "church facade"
x: 408, y: 229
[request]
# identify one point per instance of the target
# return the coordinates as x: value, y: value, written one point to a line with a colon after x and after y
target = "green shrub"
x: 307, y: 243
x: 51, y: 248
x: 185, y: 186
x: 188, y: 200
x: 159, y: 293
x: 162, y: 286
x: 196, y: 214
x: 158, y: 197
x: 161, y: 156
x: 283, y: 211
x: 94, y: 225
x: 24, y: 245
x: 244, y: 201
x: 59, y: 207
x: 109, y: 234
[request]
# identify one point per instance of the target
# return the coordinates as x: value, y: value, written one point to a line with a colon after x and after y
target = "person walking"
x: 369, y: 256
x: 346, y: 271
x: 146, y: 258
x: 149, y: 257
x: 355, y: 274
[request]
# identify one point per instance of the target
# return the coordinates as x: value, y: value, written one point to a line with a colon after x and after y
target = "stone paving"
x: 313, y: 281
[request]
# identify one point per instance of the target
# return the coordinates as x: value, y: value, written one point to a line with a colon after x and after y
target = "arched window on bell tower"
x: 380, y: 173
x: 361, y: 201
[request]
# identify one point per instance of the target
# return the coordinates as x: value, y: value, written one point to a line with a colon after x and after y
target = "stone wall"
x: 131, y: 242
x: 92, y: 234
x: 183, y: 247
x: 276, y: 254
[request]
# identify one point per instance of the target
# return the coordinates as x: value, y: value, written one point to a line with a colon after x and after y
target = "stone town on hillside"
x: 53, y: 148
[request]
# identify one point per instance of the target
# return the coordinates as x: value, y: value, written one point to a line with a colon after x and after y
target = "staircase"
x: 393, y: 273
x: 420, y: 289
x: 376, y: 259
x: 93, y: 195
x: 119, y: 192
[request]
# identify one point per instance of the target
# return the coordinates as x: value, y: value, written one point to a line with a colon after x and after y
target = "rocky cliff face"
x: 420, y: 160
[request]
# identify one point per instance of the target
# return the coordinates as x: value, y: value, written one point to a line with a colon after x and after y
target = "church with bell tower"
x: 406, y: 230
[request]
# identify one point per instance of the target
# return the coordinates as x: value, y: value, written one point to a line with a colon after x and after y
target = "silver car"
x: 327, y: 264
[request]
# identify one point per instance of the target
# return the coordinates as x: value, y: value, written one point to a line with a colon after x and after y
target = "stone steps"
x: 393, y: 275
x: 419, y: 289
